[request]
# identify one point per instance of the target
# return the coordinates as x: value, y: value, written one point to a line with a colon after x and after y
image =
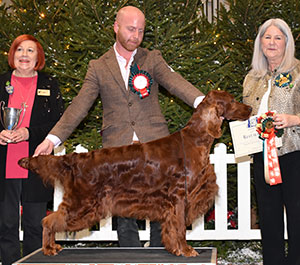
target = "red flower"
x: 232, y: 224
x: 231, y: 218
x: 211, y: 216
x: 229, y: 214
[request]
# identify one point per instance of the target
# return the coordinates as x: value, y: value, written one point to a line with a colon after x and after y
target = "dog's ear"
x: 214, y: 123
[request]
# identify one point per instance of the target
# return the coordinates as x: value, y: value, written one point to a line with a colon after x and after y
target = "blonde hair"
x: 259, y: 60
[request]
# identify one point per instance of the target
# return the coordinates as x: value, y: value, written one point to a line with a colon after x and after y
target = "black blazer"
x: 45, y: 113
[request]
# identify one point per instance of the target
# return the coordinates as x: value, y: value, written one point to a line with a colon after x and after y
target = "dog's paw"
x: 58, y: 247
x: 49, y: 251
x: 175, y: 252
x: 189, y: 251
x: 52, y: 251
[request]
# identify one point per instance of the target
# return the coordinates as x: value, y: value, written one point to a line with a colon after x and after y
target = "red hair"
x: 40, y: 52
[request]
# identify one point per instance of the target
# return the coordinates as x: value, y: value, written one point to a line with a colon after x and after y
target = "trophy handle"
x: 23, y: 108
x: 2, y: 104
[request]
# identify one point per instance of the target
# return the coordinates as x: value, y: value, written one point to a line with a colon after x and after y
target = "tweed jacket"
x: 123, y: 111
x: 46, y: 112
x: 282, y: 100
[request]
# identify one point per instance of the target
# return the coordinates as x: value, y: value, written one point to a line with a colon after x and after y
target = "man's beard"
x: 129, y: 45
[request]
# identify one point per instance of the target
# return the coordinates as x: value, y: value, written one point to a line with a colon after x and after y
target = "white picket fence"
x: 221, y: 160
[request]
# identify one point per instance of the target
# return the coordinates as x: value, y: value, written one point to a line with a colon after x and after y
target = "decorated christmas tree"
x: 74, y: 32
x: 210, y: 56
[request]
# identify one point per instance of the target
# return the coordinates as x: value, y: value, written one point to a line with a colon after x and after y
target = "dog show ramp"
x: 120, y: 256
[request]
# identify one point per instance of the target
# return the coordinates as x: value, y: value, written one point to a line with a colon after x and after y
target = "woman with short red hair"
x: 38, y: 96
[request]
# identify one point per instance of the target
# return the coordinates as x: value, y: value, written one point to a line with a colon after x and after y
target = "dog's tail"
x: 48, y: 167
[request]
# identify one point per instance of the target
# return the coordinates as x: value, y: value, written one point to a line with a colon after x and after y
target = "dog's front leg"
x: 50, y: 248
x: 53, y: 223
x: 174, y: 232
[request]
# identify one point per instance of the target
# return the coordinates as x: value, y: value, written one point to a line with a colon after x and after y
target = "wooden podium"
x: 111, y: 256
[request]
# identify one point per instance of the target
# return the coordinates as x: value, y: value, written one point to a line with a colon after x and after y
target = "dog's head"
x: 40, y: 165
x: 219, y: 105
x: 226, y: 106
x: 29, y: 163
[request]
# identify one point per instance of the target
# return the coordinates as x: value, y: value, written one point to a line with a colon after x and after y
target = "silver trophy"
x: 10, y: 117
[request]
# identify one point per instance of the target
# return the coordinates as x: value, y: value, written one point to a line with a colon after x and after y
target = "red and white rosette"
x: 140, y: 84
x: 267, y: 133
x: 139, y: 81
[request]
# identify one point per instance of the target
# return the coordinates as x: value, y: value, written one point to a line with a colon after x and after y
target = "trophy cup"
x: 10, y: 117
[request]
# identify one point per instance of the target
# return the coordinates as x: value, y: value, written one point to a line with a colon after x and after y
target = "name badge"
x: 43, y: 92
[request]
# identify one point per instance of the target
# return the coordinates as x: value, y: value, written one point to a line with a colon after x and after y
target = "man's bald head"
x: 129, y: 11
x: 129, y: 28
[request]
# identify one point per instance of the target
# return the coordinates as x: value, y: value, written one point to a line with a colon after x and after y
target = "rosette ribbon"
x: 267, y: 132
x: 140, y: 81
x: 284, y: 80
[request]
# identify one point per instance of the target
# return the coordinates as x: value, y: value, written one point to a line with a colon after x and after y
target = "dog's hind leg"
x: 67, y: 220
x: 174, y: 233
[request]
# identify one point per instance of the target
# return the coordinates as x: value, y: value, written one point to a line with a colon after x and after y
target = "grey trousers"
x: 129, y: 237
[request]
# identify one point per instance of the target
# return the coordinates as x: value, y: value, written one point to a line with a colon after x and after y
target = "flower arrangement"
x: 231, y: 219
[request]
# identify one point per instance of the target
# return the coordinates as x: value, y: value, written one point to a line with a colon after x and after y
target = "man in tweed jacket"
x: 127, y: 116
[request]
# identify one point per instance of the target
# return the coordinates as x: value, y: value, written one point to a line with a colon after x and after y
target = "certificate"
x: 245, y: 138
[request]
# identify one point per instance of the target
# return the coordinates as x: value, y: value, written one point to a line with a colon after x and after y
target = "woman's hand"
x: 5, y: 136
x: 286, y: 120
x: 19, y: 135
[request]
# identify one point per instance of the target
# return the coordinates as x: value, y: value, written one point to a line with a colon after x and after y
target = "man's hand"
x: 45, y: 148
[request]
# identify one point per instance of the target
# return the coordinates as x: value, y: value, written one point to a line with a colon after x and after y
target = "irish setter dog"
x: 169, y: 180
